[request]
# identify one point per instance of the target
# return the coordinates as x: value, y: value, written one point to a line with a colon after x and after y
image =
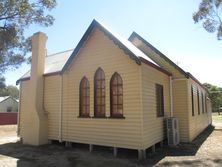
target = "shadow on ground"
x: 79, y: 156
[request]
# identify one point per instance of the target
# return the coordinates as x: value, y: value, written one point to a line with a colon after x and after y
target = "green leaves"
x: 215, y: 94
x: 15, y: 17
x: 10, y: 91
x: 209, y: 14
x: 210, y: 25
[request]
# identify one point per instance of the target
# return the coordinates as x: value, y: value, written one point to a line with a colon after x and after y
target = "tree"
x: 2, y: 82
x: 210, y: 15
x: 15, y: 17
x: 10, y: 91
x: 215, y: 95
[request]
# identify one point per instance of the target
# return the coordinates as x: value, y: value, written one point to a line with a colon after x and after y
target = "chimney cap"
x: 40, y: 33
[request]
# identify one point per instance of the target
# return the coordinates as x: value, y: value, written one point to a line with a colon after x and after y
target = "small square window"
x: 9, y: 109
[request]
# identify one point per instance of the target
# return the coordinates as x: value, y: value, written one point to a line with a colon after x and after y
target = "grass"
x: 217, y: 118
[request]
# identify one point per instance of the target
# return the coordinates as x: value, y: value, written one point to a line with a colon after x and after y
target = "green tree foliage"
x: 10, y: 91
x: 210, y: 15
x: 2, y: 82
x: 215, y: 94
x: 15, y: 17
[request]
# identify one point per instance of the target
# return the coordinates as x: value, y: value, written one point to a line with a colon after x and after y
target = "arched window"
x: 116, y: 96
x: 84, y: 98
x: 99, y: 93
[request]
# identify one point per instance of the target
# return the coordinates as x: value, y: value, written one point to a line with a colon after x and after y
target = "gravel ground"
x: 206, y: 150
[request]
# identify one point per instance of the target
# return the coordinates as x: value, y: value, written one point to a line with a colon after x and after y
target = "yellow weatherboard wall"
x: 100, y: 51
x: 52, y: 102
x: 33, y: 119
x: 180, y: 107
x: 128, y: 132
x: 153, y: 126
x: 49, y: 103
x: 197, y: 122
x: 188, y: 127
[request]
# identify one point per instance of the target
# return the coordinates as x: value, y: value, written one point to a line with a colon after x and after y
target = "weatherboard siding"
x: 9, y: 102
x: 197, y: 123
x: 180, y: 107
x: 100, y: 51
x: 52, y: 104
x: 153, y: 126
x: 26, y: 119
x: 189, y: 127
x: 23, y: 112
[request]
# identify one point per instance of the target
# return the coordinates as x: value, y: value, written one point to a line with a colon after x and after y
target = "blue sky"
x: 167, y: 25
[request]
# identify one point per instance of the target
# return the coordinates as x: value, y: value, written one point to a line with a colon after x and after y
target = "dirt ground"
x: 206, y: 150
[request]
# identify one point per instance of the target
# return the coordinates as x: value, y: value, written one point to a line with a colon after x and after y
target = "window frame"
x: 119, y: 85
x: 192, y: 101
x: 9, y: 109
x: 205, y: 102
x: 202, y: 99
x: 101, y: 90
x: 198, y: 101
x: 159, y: 100
x: 85, y: 114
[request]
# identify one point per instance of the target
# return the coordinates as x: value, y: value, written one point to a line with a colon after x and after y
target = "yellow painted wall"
x: 100, y: 51
x: 33, y: 119
x: 180, y: 107
x: 190, y: 127
x: 197, y: 123
x: 153, y: 126
x: 52, y: 104
x: 140, y: 129
x: 28, y: 121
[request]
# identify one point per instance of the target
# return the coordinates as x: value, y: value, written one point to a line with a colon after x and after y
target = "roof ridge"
x: 59, y: 52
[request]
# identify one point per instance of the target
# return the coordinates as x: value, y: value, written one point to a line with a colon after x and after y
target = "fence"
x: 8, y: 118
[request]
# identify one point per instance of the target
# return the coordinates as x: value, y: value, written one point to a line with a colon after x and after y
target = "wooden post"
x: 90, y: 148
x: 153, y: 149
x: 141, y: 154
x: 68, y: 144
x: 115, y: 151
x: 161, y: 144
x: 49, y: 141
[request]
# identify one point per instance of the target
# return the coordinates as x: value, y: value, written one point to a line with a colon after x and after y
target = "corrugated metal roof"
x: 137, y: 52
x: 132, y: 51
x: 60, y: 61
x: 3, y: 98
x: 53, y: 63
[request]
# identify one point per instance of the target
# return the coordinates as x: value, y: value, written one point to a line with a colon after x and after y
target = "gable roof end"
x: 4, y: 98
x: 135, y: 35
x: 59, y: 62
x: 186, y: 74
x: 93, y: 25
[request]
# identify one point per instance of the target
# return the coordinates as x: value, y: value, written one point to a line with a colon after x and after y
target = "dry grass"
x: 8, y: 130
x: 217, y: 118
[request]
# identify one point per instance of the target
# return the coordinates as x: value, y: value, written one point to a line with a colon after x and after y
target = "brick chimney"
x: 37, y: 131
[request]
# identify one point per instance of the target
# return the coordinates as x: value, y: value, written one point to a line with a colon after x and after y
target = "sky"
x: 167, y: 25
